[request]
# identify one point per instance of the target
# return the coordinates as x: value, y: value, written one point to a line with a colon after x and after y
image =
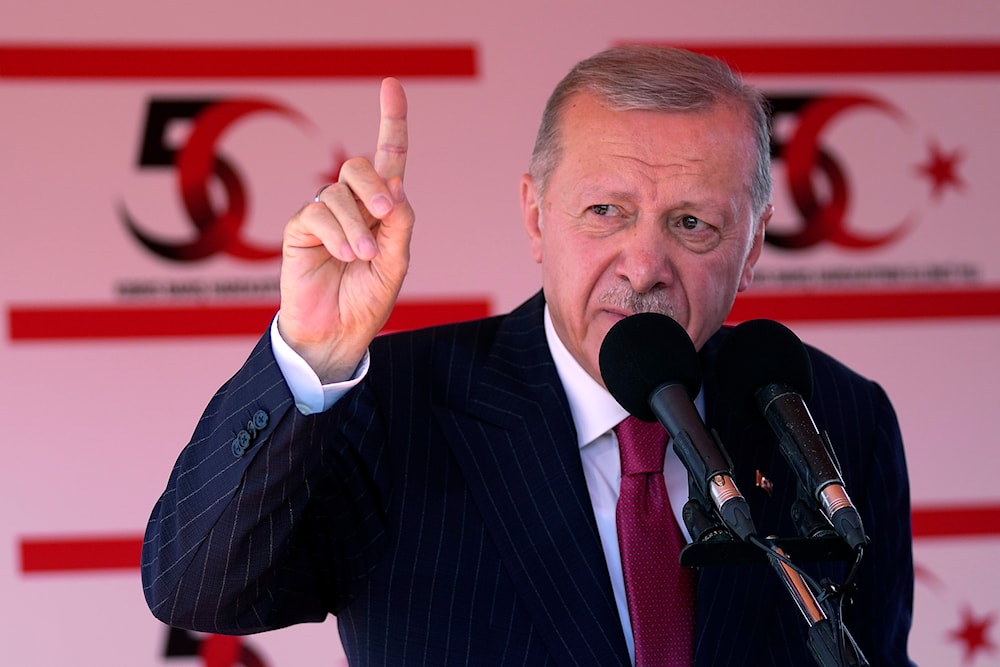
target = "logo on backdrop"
x: 822, y: 218
x: 854, y: 210
x: 816, y: 179
x: 217, y: 227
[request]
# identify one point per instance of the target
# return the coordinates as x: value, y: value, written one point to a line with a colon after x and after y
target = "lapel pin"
x: 764, y: 483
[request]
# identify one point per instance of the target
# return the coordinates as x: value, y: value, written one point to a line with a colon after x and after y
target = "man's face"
x: 645, y: 211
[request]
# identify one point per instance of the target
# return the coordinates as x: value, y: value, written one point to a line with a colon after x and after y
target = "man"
x: 449, y: 494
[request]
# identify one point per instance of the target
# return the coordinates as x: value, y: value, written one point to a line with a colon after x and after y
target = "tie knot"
x: 642, y: 446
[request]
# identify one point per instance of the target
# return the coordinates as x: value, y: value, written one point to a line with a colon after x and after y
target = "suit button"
x: 260, y: 420
x: 241, y: 443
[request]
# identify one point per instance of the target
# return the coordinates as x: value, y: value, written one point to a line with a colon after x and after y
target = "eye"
x: 696, y: 234
x: 605, y: 209
x: 690, y: 223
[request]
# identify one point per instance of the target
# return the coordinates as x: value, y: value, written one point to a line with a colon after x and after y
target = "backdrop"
x: 152, y: 152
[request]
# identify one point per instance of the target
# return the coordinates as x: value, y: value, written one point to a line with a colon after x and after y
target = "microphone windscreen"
x: 758, y: 353
x: 643, y: 352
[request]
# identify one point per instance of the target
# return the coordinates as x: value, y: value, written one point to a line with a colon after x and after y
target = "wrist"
x: 330, y: 360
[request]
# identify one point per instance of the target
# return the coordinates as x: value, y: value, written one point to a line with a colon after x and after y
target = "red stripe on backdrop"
x: 859, y: 305
x: 858, y: 58
x: 97, y: 322
x: 72, y: 554
x: 957, y: 521
x: 76, y: 554
x: 260, y: 61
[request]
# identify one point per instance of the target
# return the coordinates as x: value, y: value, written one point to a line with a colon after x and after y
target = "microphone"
x: 651, y: 367
x: 763, y: 364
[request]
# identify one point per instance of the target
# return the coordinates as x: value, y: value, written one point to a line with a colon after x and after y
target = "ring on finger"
x: 320, y: 192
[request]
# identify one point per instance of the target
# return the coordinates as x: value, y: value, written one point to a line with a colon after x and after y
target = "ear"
x: 531, y: 211
x: 755, y: 248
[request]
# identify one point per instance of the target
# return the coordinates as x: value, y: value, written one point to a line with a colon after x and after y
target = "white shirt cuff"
x: 311, y: 395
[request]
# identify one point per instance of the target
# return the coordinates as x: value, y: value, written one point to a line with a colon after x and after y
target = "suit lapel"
x: 514, y: 439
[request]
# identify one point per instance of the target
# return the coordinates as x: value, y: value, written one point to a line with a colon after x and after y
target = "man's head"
x: 648, y: 189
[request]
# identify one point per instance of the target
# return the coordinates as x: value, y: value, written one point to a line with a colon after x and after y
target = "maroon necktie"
x: 660, y: 591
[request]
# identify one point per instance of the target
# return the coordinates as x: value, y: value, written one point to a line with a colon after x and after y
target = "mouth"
x: 621, y: 313
x: 616, y: 314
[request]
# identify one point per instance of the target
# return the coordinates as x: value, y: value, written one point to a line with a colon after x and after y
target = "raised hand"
x: 345, y: 255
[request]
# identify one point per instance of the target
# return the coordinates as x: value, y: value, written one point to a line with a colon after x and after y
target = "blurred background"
x: 150, y: 154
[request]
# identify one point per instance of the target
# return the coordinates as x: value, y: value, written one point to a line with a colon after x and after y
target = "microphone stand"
x: 831, y: 644
x: 828, y: 639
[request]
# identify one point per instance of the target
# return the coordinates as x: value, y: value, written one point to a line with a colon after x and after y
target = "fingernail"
x: 381, y: 205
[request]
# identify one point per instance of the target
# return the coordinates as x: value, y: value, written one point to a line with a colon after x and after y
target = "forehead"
x: 587, y: 116
x: 713, y: 144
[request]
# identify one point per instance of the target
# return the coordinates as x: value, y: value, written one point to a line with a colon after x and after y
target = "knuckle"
x: 353, y: 166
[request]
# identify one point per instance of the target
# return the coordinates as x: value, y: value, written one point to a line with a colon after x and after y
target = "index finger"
x: 390, y: 153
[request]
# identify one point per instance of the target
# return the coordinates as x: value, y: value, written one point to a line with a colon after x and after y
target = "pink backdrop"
x: 110, y: 349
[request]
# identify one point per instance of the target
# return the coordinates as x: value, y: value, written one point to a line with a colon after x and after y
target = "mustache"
x: 628, y: 300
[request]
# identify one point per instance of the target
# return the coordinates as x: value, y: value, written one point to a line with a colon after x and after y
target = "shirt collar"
x: 594, y: 409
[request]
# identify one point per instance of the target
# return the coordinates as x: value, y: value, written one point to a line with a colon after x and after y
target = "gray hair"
x: 652, y: 78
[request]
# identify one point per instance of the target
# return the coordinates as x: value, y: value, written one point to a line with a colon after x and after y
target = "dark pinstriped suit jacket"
x: 440, y: 511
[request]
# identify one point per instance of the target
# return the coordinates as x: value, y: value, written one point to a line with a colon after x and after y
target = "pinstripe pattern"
x: 460, y: 532
x: 863, y: 428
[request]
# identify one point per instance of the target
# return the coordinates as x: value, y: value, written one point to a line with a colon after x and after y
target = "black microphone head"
x: 758, y: 353
x: 643, y: 352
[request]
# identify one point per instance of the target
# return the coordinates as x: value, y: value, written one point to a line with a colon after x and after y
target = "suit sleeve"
x: 269, y: 517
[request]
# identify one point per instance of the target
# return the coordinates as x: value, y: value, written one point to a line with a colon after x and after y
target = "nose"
x: 645, y: 257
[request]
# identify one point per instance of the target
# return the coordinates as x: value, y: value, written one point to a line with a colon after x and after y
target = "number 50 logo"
x: 197, y: 163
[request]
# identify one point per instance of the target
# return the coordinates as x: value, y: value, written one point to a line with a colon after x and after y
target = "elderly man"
x: 450, y: 494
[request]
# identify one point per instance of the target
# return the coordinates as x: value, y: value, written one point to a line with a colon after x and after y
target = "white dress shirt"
x: 595, y: 414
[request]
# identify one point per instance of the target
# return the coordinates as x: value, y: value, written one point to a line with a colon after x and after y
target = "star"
x: 974, y: 634
x: 941, y: 169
